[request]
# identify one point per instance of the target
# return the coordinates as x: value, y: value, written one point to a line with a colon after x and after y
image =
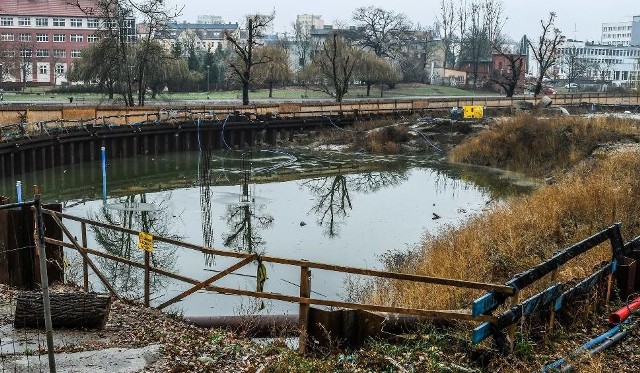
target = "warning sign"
x: 145, y: 241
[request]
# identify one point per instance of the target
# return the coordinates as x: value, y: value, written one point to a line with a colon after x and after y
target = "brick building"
x: 41, y: 39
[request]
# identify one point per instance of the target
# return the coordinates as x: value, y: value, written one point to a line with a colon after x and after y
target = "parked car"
x: 548, y: 91
x: 571, y: 85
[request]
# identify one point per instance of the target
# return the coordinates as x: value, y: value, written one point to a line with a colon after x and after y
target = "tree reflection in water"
x: 246, y: 221
x: 332, y: 194
x: 204, y: 179
x: 125, y: 278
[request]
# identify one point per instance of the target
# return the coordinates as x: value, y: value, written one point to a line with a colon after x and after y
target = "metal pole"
x: 19, y: 191
x: 44, y: 279
x: 104, y: 173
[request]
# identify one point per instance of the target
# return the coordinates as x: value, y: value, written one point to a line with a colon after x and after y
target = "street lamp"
x: 1, y: 81
x: 208, y: 81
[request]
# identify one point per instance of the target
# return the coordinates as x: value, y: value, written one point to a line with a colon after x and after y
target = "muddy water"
x: 327, y: 207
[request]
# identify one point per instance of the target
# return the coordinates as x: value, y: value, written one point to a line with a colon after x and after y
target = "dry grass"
x: 539, y: 146
x: 522, y: 232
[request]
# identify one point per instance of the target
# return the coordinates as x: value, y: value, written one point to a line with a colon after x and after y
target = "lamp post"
x: 208, y: 66
x: 1, y: 81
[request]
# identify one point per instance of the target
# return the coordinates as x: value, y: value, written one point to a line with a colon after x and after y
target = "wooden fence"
x: 304, y: 298
x: 552, y: 299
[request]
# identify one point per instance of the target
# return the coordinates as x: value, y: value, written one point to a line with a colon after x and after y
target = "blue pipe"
x: 104, y: 174
x: 587, y: 347
x: 19, y: 191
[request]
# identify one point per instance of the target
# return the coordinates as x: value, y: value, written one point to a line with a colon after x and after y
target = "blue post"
x: 19, y: 191
x: 104, y: 174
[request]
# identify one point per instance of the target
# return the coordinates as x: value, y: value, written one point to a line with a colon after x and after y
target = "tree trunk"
x: 270, y: 89
x: 368, y: 89
x: 68, y: 310
x: 245, y: 93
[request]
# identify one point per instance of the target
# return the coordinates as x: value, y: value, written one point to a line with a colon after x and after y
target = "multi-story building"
x: 41, y: 39
x: 200, y: 36
x: 621, y: 33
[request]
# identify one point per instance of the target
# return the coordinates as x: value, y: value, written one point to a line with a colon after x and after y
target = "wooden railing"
x: 304, y: 298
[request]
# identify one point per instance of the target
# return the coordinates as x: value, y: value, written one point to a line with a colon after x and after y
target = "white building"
x: 621, y: 33
x: 307, y: 22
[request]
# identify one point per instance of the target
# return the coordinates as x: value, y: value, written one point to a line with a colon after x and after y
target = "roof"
x: 49, y: 8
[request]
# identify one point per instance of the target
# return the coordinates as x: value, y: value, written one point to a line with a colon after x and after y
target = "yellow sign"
x: 145, y: 241
x: 473, y: 111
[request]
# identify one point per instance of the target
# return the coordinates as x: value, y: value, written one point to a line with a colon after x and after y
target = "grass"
x: 287, y: 93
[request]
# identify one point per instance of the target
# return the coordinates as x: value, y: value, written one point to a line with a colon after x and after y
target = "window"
x: 92, y: 38
x: 59, y: 69
x: 75, y: 22
x: 7, y: 36
x: 6, y: 21
x: 42, y: 37
x: 59, y: 53
x: 58, y: 38
x: 59, y: 22
x: 42, y: 22
x: 24, y: 21
x: 76, y: 53
x: 8, y: 53
x: 26, y: 53
x: 75, y: 38
x: 42, y: 53
x: 93, y: 23
x: 43, y: 69
x: 25, y: 37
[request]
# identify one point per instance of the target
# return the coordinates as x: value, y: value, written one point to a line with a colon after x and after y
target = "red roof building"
x: 41, y: 39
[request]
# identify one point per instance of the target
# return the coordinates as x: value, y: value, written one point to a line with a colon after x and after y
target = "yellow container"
x: 474, y: 111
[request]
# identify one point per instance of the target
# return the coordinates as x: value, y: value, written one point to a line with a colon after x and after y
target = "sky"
x: 578, y: 19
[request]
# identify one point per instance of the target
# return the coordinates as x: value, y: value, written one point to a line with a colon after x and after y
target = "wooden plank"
x: 484, y: 304
x: 303, y: 313
x: 503, y: 289
x: 208, y: 281
x: 532, y: 275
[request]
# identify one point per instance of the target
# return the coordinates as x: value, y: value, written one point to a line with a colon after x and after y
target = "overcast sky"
x: 579, y: 19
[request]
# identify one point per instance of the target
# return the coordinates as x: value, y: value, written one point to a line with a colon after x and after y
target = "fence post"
x: 512, y: 328
x: 44, y: 278
x: 303, y: 316
x: 85, y: 266
x: 147, y: 256
x: 552, y: 316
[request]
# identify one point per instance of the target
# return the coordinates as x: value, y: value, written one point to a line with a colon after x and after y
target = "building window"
x: 75, y: 38
x: 7, y: 36
x: 75, y: 22
x: 59, y: 53
x: 42, y: 22
x: 58, y: 38
x: 76, y: 53
x: 25, y: 37
x: 93, y: 23
x: 9, y: 54
x: 42, y: 37
x: 59, y: 22
x: 26, y: 53
x: 92, y: 38
x: 24, y: 21
x: 59, y: 69
x: 42, y: 53
x: 43, y: 69
x: 6, y: 21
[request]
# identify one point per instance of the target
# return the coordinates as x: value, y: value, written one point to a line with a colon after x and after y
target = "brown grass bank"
x: 540, y: 146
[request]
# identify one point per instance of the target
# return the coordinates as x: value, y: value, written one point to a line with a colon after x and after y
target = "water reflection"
x: 125, y: 278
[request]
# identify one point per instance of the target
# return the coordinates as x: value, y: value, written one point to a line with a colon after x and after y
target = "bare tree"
x: 332, y: 68
x: 447, y: 23
x: 303, y: 43
x: 243, y: 50
x: 372, y: 69
x: 509, y: 76
x: 545, y: 51
x: 576, y: 66
x: 276, y: 69
x: 381, y: 31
